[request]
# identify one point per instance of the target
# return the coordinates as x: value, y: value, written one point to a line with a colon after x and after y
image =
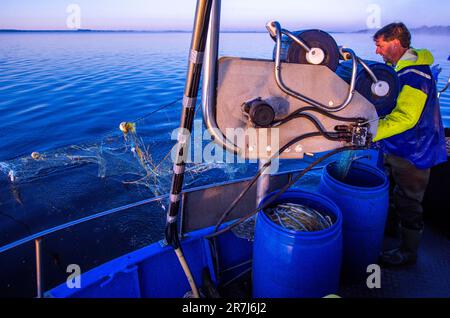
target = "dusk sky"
x: 343, y: 15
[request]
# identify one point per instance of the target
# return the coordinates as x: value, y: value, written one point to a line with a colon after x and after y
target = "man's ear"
x: 396, y: 43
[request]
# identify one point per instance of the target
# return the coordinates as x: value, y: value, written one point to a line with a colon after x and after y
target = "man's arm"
x: 406, y: 114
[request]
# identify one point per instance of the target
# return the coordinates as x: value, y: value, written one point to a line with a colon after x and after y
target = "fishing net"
x: 297, y: 217
x: 291, y: 216
x: 131, y: 163
x: 343, y: 164
x: 246, y: 230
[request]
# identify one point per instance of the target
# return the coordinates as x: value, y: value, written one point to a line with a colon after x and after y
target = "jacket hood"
x: 424, y: 57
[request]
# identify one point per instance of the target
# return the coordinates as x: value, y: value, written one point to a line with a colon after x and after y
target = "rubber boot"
x: 406, y: 254
x: 392, y: 228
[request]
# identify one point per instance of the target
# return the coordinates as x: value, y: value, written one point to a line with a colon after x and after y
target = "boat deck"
x: 429, y: 278
x: 153, y: 270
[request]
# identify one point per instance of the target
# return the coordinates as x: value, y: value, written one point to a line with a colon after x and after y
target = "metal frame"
x: 368, y: 70
x: 209, y: 92
x: 287, y: 90
x: 210, y: 78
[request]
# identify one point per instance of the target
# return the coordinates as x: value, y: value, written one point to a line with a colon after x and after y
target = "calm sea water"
x: 58, y: 89
x: 64, y: 95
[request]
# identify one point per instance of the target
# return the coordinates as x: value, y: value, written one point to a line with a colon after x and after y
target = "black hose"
x: 296, y: 114
x: 280, y: 192
x: 329, y: 135
x: 261, y: 170
x: 257, y: 175
x: 213, y: 241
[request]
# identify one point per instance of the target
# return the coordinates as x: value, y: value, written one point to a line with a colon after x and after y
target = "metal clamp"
x: 356, y: 133
x: 196, y: 57
x: 360, y: 135
x: 189, y: 102
x: 276, y: 32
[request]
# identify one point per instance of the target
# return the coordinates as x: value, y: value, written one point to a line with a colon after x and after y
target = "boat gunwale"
x: 47, y: 232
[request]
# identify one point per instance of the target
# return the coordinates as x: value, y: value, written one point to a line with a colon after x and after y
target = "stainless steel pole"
x: 198, y: 42
x: 263, y: 183
x: 37, y: 244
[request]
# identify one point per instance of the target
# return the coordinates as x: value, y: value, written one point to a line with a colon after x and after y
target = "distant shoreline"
x: 434, y: 30
x: 114, y: 31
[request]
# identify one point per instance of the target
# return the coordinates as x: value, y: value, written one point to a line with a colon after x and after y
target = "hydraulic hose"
x: 299, y: 111
x: 287, y: 186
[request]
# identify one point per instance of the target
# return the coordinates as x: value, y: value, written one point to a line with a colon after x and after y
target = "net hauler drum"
x: 383, y: 94
x: 324, y: 50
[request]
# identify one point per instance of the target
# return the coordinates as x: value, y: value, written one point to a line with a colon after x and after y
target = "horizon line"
x: 144, y: 31
x: 424, y: 27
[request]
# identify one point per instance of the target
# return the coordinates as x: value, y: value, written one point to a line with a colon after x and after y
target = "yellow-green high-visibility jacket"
x: 414, y: 130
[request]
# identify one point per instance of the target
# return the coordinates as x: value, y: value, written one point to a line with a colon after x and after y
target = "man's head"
x: 392, y: 42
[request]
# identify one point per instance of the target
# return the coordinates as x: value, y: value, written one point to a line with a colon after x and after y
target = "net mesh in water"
x: 131, y: 163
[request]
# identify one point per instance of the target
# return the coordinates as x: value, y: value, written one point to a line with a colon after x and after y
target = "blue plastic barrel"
x: 363, y: 199
x: 291, y: 264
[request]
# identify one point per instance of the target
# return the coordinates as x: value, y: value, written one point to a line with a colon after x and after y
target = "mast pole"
x: 196, y: 52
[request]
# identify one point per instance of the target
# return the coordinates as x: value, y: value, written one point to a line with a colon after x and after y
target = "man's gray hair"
x: 394, y: 31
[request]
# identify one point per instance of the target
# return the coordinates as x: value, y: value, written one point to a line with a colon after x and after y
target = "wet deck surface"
x: 429, y: 278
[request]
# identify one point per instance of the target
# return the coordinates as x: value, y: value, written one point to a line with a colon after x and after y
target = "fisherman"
x: 412, y: 138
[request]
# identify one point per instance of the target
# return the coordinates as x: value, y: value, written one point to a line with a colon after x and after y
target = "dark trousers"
x: 407, y: 189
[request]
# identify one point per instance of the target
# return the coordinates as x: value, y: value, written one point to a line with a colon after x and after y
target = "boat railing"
x: 40, y: 236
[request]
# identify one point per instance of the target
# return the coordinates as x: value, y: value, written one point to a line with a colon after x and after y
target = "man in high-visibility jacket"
x: 411, y: 136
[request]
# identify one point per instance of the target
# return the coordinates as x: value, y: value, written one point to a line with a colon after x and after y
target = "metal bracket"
x: 360, y: 135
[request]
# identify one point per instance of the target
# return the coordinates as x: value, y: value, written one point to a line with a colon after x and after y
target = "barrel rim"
x: 363, y: 166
